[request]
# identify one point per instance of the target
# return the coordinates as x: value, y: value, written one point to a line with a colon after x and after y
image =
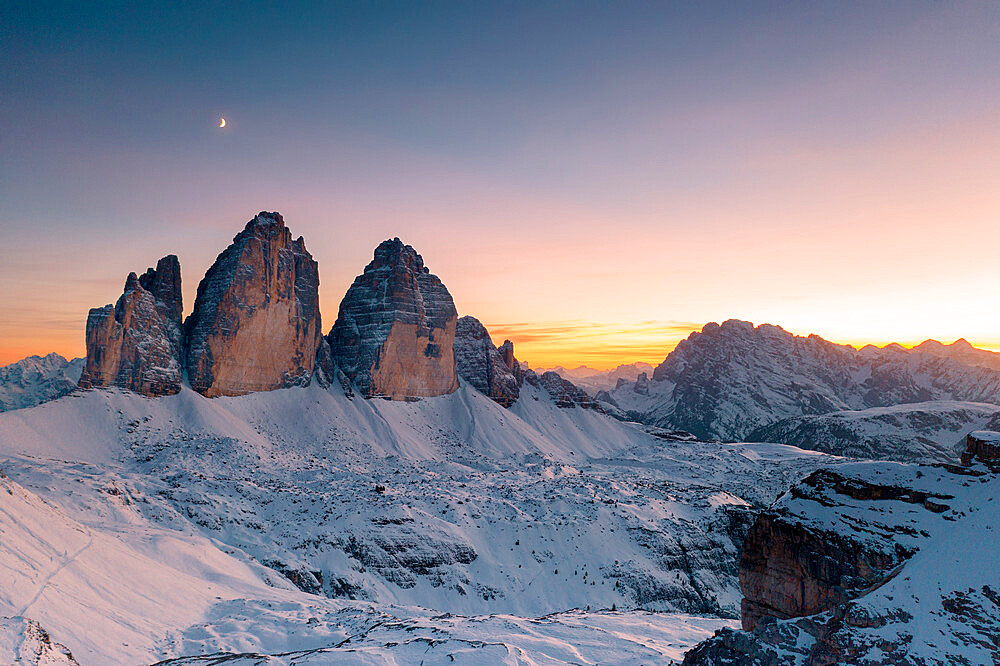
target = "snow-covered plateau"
x: 319, y: 528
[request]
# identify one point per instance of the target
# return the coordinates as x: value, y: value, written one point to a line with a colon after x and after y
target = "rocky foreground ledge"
x: 873, y: 563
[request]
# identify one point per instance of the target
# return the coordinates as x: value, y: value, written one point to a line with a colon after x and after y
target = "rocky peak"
x: 395, y: 329
x: 641, y: 385
x: 982, y: 446
x: 488, y: 369
x: 164, y: 282
x: 565, y: 393
x: 136, y: 343
x: 256, y: 321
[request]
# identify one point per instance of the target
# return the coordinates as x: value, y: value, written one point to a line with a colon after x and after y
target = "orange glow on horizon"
x: 601, y: 346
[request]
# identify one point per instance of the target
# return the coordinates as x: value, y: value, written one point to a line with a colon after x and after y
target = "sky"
x: 591, y: 180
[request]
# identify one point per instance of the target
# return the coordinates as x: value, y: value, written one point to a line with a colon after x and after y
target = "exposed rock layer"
x: 395, y: 330
x: 486, y: 368
x: 135, y: 344
x: 982, y: 446
x: 874, y: 563
x: 256, y: 321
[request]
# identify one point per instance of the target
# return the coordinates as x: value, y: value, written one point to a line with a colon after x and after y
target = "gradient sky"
x: 592, y: 180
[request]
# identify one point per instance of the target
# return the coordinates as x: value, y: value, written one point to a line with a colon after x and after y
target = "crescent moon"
x: 222, y: 122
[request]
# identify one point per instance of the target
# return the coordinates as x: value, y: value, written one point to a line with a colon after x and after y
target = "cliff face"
x: 395, y: 330
x: 164, y: 283
x: 873, y: 563
x: 135, y: 344
x: 982, y: 446
x: 486, y: 368
x: 256, y: 321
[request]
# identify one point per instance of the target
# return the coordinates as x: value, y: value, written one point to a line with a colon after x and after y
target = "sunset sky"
x: 591, y: 183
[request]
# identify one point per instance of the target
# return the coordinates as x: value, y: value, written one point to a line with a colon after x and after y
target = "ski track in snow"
x: 55, y: 572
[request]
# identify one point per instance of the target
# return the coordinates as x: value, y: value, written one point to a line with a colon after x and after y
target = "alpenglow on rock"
x: 395, y: 330
x: 256, y: 322
x: 135, y: 344
x: 490, y: 370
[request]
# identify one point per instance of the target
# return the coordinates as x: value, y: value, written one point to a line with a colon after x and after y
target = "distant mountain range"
x: 37, y: 379
x: 737, y: 381
x: 593, y: 380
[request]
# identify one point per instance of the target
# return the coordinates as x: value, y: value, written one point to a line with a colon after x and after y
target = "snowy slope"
x: 37, y: 379
x: 916, y: 432
x: 184, y: 525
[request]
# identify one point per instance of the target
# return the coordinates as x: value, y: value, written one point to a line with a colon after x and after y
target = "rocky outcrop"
x: 874, y: 563
x: 25, y: 642
x: 565, y: 393
x: 488, y: 369
x: 37, y: 379
x: 641, y: 385
x: 135, y: 344
x: 395, y: 330
x: 164, y: 282
x: 256, y: 321
x: 982, y: 446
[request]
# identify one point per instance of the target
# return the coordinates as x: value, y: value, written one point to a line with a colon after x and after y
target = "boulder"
x: 135, y: 344
x: 256, y: 321
x: 486, y: 368
x: 395, y: 330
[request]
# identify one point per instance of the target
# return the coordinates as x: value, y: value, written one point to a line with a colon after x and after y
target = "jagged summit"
x: 256, y: 320
x: 493, y: 372
x: 395, y: 330
x: 396, y: 253
x: 136, y: 344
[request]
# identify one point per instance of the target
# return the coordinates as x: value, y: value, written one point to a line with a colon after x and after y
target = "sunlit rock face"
x: 395, y: 331
x: 136, y: 344
x: 256, y: 321
x: 486, y: 368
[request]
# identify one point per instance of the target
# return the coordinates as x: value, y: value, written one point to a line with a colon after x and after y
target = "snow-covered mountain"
x: 37, y: 379
x: 731, y: 380
x: 873, y: 563
x: 961, y: 350
x: 600, y: 380
x: 152, y: 528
